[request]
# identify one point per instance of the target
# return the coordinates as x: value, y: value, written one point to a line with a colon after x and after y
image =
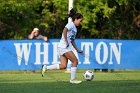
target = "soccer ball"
x: 88, y: 75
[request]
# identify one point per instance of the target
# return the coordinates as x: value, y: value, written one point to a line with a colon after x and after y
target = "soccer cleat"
x: 75, y: 81
x: 43, y: 70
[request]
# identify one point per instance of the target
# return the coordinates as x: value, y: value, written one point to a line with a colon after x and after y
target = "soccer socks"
x: 44, y: 68
x: 55, y: 66
x: 73, y: 72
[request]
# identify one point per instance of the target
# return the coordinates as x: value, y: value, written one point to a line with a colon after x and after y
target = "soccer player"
x: 65, y: 47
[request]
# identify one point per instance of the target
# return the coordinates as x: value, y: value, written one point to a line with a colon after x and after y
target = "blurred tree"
x: 96, y: 13
x: 112, y: 19
x: 54, y: 17
x: 17, y: 17
x: 121, y: 22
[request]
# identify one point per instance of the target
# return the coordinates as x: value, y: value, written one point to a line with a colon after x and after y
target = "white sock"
x: 73, y: 72
x: 55, y: 66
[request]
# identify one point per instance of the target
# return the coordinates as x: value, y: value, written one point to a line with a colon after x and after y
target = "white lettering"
x: 23, y: 49
x: 42, y: 55
x: 117, y: 52
x: 98, y: 54
x: 39, y: 53
x: 88, y: 46
x: 55, y: 54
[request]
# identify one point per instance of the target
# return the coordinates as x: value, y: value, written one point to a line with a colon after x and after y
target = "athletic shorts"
x: 62, y: 51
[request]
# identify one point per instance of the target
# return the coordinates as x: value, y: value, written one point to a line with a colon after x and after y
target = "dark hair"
x: 74, y: 15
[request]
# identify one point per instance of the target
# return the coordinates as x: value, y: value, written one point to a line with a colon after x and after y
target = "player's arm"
x: 41, y: 37
x: 65, y: 36
x: 74, y: 45
x: 31, y: 36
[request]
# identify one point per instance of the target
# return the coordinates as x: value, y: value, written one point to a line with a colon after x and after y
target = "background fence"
x: 98, y: 53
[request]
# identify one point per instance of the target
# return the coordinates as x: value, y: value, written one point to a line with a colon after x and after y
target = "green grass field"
x: 58, y: 82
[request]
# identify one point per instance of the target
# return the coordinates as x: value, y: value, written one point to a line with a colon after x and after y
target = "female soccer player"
x: 65, y: 47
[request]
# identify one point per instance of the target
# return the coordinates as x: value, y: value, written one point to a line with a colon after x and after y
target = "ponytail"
x: 74, y: 15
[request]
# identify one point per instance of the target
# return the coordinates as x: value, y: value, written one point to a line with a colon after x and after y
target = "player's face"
x: 78, y: 21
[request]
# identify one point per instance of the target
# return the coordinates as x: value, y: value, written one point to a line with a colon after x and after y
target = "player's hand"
x: 33, y: 32
x: 67, y: 45
x: 80, y: 51
x: 45, y: 39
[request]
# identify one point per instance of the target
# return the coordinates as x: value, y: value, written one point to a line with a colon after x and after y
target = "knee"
x: 75, y: 61
x: 63, y: 67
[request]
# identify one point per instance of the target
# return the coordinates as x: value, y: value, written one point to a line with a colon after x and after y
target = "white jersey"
x: 71, y: 34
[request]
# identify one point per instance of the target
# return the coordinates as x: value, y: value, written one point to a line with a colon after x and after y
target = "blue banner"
x: 98, y: 53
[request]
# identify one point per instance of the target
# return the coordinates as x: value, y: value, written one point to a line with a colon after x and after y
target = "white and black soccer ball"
x: 88, y: 75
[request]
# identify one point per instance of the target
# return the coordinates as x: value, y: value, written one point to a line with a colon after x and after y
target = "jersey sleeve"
x: 69, y: 26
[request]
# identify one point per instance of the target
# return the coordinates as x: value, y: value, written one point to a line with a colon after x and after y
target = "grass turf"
x: 58, y: 82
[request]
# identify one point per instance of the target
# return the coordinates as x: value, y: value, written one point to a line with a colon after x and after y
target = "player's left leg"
x: 63, y: 65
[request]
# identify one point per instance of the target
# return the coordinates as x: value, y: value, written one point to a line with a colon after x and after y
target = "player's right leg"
x: 71, y: 56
